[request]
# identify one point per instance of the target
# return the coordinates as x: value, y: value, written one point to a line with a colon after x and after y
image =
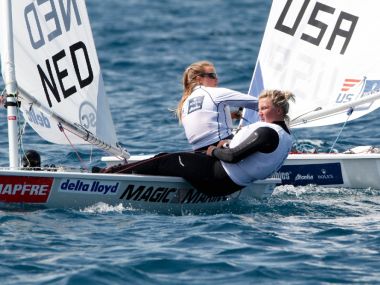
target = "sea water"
x: 301, y: 235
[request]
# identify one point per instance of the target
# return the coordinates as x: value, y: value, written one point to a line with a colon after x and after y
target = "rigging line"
x: 323, y: 117
x: 295, y: 138
x: 61, y: 126
x: 62, y: 129
x: 316, y: 109
x: 349, y: 113
x: 92, y: 144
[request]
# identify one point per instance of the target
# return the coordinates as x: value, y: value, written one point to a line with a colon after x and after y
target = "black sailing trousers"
x: 203, y: 172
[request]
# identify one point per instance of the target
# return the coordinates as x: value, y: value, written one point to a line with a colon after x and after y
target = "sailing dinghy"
x: 52, y: 74
x: 327, y: 54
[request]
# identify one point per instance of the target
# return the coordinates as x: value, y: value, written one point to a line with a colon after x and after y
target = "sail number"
x: 84, y: 77
x: 344, y: 26
x: 51, y: 18
x: 46, y: 21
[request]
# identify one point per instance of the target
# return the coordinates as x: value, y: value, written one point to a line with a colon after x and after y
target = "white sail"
x: 57, y: 71
x: 327, y: 54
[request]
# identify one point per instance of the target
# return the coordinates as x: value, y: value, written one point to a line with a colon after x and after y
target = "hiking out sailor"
x: 255, y: 152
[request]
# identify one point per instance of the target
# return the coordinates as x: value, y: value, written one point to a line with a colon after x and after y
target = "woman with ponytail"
x: 204, y: 108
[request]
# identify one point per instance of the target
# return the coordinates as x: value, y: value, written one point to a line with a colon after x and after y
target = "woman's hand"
x: 210, y: 149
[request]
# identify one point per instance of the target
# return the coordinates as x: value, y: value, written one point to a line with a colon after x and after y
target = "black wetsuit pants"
x: 204, y: 172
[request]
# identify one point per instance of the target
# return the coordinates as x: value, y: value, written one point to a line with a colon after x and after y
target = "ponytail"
x: 189, y: 82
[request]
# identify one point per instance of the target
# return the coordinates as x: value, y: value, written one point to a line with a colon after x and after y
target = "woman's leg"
x: 204, y: 172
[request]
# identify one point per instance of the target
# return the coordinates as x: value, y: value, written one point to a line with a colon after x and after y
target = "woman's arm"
x: 264, y: 139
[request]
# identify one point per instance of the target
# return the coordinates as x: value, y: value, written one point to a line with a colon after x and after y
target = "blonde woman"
x: 204, y: 108
x: 255, y: 152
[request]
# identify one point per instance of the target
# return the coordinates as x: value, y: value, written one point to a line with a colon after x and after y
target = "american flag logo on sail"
x: 349, y: 83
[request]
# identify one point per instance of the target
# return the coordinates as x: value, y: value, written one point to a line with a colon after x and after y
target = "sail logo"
x: 354, y: 89
x: 87, y: 116
x: 38, y: 118
x: 88, y: 187
x: 349, y: 83
x: 350, y: 88
x: 25, y: 189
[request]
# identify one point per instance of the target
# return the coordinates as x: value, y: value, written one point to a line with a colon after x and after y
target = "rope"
x: 62, y: 129
x: 349, y: 113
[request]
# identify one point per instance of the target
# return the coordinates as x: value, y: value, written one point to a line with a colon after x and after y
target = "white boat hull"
x: 141, y: 192
x: 342, y: 170
x: 357, y: 170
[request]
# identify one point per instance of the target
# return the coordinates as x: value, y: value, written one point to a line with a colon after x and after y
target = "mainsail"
x: 59, y: 80
x: 327, y: 54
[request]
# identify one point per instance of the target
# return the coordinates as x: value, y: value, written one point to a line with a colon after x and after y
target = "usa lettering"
x: 344, y: 23
x: 344, y: 98
x: 24, y: 189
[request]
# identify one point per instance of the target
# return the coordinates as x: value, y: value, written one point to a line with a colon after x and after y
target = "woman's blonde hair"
x: 279, y: 99
x: 189, y: 81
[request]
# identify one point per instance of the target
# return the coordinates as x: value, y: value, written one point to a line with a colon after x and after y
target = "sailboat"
x: 52, y: 74
x: 327, y: 54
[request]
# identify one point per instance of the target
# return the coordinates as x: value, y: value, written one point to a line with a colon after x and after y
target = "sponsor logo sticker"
x: 16, y: 189
x: 195, y: 104
x: 89, y: 186
x: 358, y: 88
x: 38, y: 118
x: 164, y: 195
x: 320, y: 174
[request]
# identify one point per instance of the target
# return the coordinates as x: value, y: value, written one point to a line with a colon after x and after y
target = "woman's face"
x: 268, y: 112
x: 208, y: 78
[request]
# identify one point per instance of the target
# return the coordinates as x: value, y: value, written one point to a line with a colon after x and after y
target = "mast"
x: 9, y: 76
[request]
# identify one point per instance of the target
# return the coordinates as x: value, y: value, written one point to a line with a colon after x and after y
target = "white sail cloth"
x: 326, y: 53
x: 57, y: 70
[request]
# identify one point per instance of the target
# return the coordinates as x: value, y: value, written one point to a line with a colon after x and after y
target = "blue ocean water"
x: 301, y: 235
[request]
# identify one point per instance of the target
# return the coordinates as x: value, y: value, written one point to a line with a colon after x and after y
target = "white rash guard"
x: 206, y: 115
x: 259, y: 165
